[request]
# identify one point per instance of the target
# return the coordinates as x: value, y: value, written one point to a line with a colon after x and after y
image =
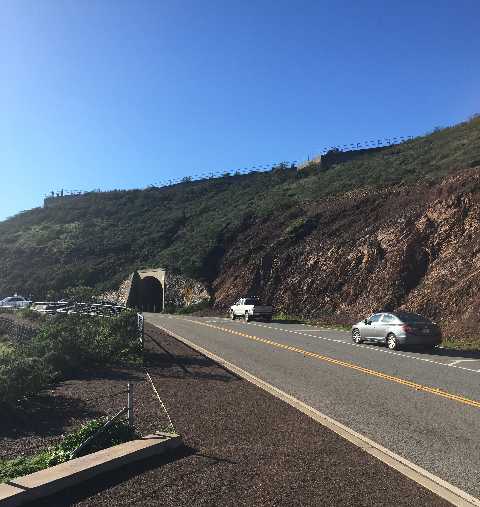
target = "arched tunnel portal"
x: 147, y: 290
x: 150, y: 295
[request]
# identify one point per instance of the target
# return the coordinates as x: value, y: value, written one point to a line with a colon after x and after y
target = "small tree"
x: 81, y: 293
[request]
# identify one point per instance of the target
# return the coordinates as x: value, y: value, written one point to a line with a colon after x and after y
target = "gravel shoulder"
x: 242, y: 447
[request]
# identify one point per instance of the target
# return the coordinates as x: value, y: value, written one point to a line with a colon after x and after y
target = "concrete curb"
x: 435, y: 484
x: 51, y: 480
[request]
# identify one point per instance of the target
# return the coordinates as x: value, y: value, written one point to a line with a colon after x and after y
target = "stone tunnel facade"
x: 153, y: 290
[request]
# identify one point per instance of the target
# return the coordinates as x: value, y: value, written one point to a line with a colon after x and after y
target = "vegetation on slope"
x: 97, y: 239
x: 63, y: 346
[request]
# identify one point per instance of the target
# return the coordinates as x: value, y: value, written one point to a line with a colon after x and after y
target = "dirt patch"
x: 42, y: 420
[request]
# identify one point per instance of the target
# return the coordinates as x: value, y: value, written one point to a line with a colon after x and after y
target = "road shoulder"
x: 244, y: 447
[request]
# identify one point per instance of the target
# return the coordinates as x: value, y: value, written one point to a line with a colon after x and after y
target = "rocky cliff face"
x: 415, y: 247
x: 181, y: 291
x: 120, y: 295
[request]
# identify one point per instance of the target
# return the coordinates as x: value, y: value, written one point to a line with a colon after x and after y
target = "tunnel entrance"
x: 150, y: 297
x: 147, y: 290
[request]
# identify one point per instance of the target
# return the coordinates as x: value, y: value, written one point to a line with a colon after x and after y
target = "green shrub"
x: 4, y: 343
x: 30, y: 315
x: 119, y: 338
x: 196, y: 307
x: 300, y: 228
x: 81, y: 293
x: 63, y: 346
x: 10, y: 469
x: 69, y: 343
x: 21, y: 376
x: 117, y: 433
x: 65, y: 341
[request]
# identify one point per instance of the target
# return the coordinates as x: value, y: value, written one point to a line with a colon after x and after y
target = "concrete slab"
x: 30, y: 487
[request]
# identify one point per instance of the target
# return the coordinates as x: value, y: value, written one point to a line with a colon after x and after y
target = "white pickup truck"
x: 250, y: 309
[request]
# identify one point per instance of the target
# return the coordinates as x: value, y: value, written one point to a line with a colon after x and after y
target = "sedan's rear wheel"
x: 392, y: 342
x: 232, y: 315
x: 356, y: 336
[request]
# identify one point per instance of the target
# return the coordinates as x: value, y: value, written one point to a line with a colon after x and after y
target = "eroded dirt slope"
x: 415, y: 247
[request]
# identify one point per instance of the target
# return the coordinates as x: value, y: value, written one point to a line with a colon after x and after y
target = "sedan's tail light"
x: 408, y: 329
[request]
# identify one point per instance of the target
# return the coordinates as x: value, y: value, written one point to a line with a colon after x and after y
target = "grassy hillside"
x: 98, y: 238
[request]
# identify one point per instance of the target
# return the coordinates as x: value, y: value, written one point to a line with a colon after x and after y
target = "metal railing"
x: 381, y: 142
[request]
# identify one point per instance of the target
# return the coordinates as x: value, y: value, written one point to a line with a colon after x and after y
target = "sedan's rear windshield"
x: 412, y: 317
x: 251, y: 301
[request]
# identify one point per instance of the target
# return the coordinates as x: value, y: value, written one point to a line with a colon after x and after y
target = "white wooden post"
x: 130, y: 404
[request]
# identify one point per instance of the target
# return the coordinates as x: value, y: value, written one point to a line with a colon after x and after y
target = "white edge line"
x: 426, y: 479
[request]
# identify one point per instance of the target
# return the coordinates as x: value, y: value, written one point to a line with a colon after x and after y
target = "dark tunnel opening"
x: 150, y: 297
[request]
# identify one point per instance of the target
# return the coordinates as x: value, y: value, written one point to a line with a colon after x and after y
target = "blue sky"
x: 123, y: 94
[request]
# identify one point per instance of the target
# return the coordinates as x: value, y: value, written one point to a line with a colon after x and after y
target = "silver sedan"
x: 396, y: 329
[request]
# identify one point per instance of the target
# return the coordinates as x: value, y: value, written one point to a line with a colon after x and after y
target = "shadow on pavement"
x: 436, y: 352
x: 175, y: 365
x: 466, y: 354
x: 287, y: 321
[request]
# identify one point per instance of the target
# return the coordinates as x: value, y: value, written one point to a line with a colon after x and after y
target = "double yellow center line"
x: 346, y: 364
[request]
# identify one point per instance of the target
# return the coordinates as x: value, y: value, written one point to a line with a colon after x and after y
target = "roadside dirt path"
x: 243, y: 447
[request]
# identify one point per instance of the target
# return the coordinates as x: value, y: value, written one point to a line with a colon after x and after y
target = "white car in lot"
x: 15, y: 302
x: 250, y: 309
x: 49, y: 307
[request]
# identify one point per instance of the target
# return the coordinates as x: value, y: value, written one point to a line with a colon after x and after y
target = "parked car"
x: 396, y: 329
x: 250, y: 309
x: 15, y: 302
x: 49, y: 307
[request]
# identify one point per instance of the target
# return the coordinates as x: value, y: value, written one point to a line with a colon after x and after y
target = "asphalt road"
x: 424, y: 406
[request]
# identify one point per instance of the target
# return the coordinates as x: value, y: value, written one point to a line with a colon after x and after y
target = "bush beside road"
x: 63, y: 346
